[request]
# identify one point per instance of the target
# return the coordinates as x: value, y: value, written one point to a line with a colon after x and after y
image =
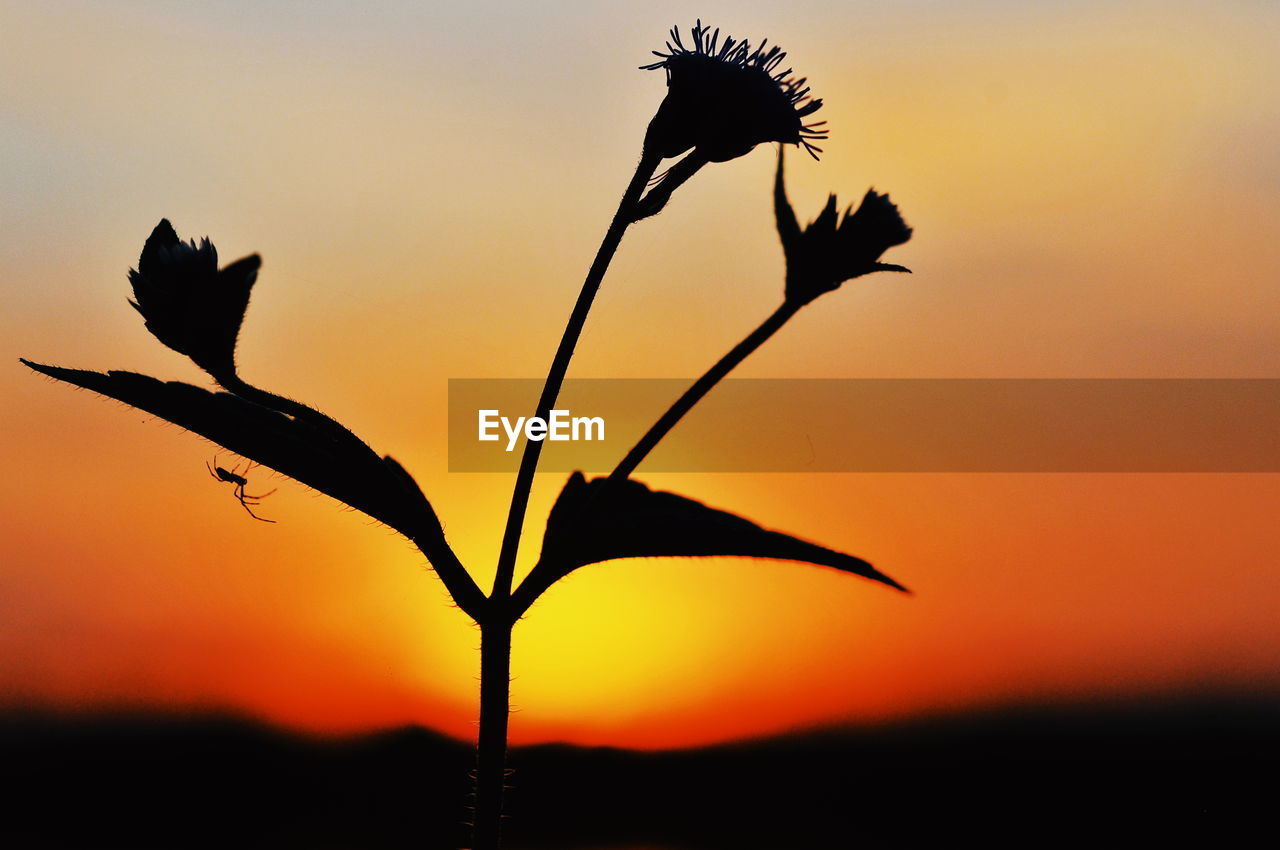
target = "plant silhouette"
x: 723, y: 99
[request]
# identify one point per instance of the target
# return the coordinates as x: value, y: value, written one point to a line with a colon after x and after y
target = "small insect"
x: 240, y: 482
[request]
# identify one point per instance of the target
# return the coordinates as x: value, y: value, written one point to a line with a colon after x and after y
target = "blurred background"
x: 1095, y: 193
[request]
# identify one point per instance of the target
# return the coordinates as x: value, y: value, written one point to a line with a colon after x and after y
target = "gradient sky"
x: 1095, y: 191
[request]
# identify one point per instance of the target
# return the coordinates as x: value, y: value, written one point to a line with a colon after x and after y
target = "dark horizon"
x: 1177, y: 697
x: 1031, y: 774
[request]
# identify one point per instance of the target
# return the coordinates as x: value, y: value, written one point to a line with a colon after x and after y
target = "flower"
x: 187, y: 303
x: 724, y: 98
x: 836, y: 248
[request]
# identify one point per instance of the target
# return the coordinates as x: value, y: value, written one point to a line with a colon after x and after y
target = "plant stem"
x: 701, y: 387
x: 495, y: 627
x: 491, y: 751
x: 560, y: 366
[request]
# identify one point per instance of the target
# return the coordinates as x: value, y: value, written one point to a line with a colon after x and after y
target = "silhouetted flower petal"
x: 188, y: 304
x: 724, y: 98
x: 836, y: 248
x: 601, y: 520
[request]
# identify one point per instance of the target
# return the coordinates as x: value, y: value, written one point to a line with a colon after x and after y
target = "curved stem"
x: 560, y: 366
x: 528, y: 591
x: 703, y: 386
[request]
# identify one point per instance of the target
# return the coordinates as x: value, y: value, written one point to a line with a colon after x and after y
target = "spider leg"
x: 259, y: 498
x: 252, y: 514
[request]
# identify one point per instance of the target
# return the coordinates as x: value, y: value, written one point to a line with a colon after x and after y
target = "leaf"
x: 333, y: 462
x: 602, y: 520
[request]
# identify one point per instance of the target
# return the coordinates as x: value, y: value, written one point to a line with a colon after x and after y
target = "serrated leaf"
x: 332, y: 462
x: 603, y: 520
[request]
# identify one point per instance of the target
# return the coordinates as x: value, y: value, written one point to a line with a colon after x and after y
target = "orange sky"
x: 1095, y: 194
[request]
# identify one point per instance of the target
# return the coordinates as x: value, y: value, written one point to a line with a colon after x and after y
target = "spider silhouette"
x: 232, y: 476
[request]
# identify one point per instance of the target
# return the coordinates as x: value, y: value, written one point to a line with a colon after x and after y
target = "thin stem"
x: 676, y: 176
x: 491, y: 751
x: 701, y: 387
x: 528, y: 591
x: 560, y: 366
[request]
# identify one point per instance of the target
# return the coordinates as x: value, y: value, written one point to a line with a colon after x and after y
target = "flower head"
x: 188, y: 304
x: 724, y: 98
x: 836, y: 248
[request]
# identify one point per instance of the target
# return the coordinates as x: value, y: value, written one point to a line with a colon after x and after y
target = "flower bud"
x: 188, y: 303
x: 835, y: 248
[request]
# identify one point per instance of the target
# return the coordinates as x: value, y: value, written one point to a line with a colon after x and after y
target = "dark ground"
x: 1191, y: 773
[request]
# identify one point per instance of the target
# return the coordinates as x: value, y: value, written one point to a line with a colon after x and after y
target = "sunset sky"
x: 1095, y: 192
